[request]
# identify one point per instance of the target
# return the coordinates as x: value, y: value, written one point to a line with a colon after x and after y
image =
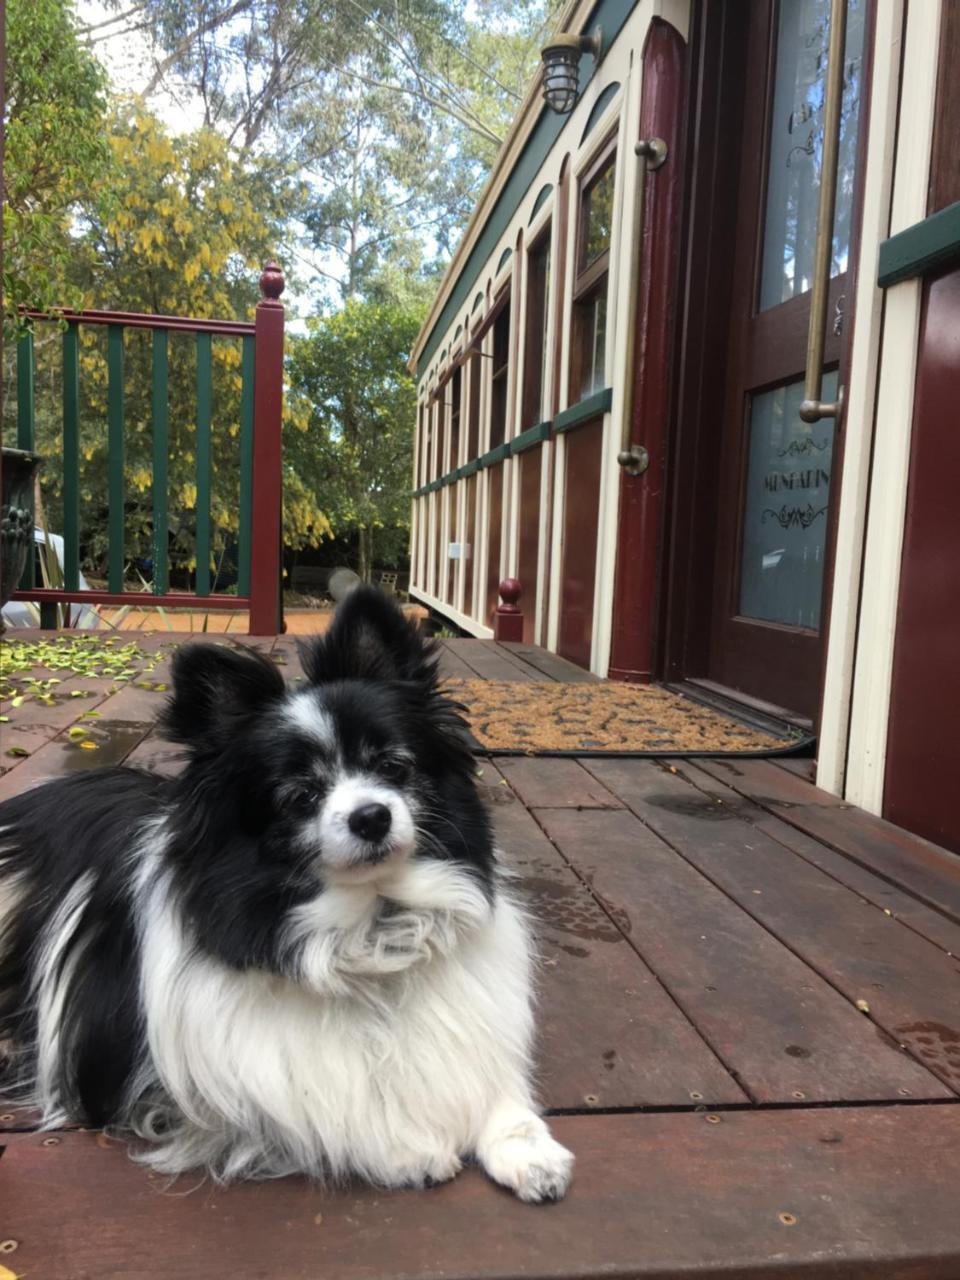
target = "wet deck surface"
x: 749, y: 1034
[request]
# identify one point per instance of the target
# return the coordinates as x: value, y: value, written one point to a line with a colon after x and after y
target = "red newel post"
x: 266, y: 596
x: 507, y: 617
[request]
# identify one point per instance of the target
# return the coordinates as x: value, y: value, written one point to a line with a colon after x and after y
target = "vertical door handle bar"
x: 651, y: 152
x: 813, y: 408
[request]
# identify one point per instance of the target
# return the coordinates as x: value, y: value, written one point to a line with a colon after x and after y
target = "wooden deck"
x: 749, y: 1035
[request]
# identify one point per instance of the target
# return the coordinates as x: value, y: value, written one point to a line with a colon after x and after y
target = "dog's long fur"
x: 222, y: 965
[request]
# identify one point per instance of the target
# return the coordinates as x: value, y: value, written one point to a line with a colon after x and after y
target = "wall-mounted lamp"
x: 561, y: 59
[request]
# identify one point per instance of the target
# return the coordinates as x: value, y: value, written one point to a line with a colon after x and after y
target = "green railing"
x: 259, y: 429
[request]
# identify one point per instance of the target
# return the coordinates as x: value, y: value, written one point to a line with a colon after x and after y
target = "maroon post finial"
x: 266, y: 598
x: 272, y: 282
x: 507, y: 618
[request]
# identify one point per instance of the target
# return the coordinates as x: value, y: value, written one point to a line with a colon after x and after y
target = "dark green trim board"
x: 591, y: 407
x: 493, y: 456
x: 115, y: 453
x: 543, y: 195
x: 532, y: 436
x: 71, y: 457
x: 204, y: 403
x: 25, y: 382
x: 921, y: 249
x: 599, y: 107
x: 25, y: 422
x: 611, y: 15
x: 161, y: 423
x: 246, y: 465
x: 526, y: 440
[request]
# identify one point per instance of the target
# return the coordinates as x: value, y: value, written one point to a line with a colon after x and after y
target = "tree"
x: 182, y: 226
x: 393, y: 110
x: 350, y: 372
x: 56, y: 150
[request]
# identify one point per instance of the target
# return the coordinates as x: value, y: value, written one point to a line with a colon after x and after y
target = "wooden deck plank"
x: 768, y: 784
x: 609, y: 1035
x: 930, y: 924
x: 856, y: 1193
x: 451, y: 665
x: 783, y: 1031
x: 555, y: 783
x: 157, y: 755
x: 909, y: 984
x: 485, y: 660
x: 550, y: 664
x: 921, y: 868
x: 114, y: 741
x: 286, y: 653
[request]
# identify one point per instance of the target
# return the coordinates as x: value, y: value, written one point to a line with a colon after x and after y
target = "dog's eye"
x: 396, y: 771
x: 302, y: 799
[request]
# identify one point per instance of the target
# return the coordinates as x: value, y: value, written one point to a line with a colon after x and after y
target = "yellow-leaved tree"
x: 181, y: 226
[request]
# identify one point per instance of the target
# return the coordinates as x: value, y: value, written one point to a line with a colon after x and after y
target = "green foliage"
x: 55, y: 152
x: 351, y: 374
x: 394, y: 112
x: 348, y: 137
x: 182, y: 227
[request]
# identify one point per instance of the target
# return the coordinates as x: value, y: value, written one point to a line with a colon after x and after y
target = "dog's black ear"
x: 215, y: 689
x: 369, y: 639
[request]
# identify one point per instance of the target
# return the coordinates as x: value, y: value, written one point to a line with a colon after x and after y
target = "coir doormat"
x: 554, y: 719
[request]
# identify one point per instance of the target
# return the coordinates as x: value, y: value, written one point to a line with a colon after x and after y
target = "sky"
x: 129, y: 62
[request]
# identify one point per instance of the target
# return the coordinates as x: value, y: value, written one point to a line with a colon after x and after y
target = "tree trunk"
x: 364, y: 541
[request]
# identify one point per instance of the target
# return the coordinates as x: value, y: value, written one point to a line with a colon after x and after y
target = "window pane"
x: 537, y: 357
x: 796, y: 147
x: 595, y: 336
x: 597, y: 217
x: 785, y: 509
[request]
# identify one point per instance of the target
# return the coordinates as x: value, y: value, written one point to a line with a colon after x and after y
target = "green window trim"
x: 919, y: 250
x: 493, y: 456
x: 519, y: 444
x: 532, y: 436
x: 590, y: 407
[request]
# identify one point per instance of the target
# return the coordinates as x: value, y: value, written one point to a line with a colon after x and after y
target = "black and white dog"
x: 299, y: 955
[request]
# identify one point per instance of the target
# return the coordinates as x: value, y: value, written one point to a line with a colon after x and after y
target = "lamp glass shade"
x: 560, y: 81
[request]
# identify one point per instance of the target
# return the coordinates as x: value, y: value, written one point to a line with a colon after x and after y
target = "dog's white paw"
x: 529, y: 1161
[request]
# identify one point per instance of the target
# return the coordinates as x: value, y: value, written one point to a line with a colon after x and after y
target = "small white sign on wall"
x: 459, y: 551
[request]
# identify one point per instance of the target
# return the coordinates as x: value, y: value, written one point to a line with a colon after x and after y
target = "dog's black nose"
x: 370, y: 822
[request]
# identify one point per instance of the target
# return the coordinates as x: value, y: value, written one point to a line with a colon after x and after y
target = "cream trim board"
x: 458, y: 619
x: 870, y: 712
x: 860, y: 401
x: 617, y: 363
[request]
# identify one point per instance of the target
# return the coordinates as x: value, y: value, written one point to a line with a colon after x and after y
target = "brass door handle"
x: 813, y: 408
x: 652, y: 152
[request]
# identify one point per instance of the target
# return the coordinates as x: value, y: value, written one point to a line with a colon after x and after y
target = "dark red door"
x: 774, y: 472
x: 923, y: 745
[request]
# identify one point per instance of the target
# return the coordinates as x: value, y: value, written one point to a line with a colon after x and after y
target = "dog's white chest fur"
x: 404, y: 1037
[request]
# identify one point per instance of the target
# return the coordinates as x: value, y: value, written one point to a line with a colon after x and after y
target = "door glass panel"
x: 796, y: 147
x: 785, y: 509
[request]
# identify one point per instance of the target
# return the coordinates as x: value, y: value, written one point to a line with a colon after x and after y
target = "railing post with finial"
x: 266, y: 595
x: 507, y: 617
